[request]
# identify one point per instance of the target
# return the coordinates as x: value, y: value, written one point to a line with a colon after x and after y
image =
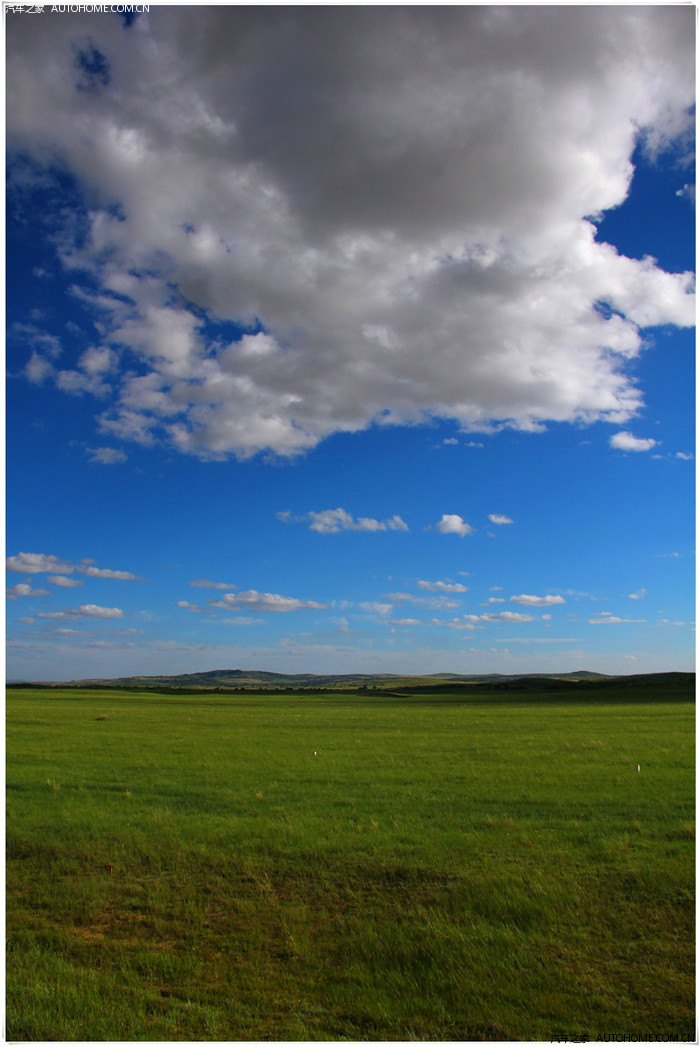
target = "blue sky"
x: 350, y: 340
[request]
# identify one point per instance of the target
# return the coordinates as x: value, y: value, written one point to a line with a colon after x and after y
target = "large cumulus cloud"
x: 393, y: 206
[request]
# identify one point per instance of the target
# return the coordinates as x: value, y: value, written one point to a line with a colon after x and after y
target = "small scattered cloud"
x: 451, y: 523
x: 605, y: 618
x: 95, y: 361
x: 684, y: 456
x: 540, y: 639
x: 204, y: 583
x: 500, y: 616
x: 91, y: 610
x: 37, y: 563
x: 433, y: 602
x: 64, y: 583
x: 687, y: 193
x: 537, y: 601
x: 625, y: 441
x: 331, y: 521
x: 38, y: 369
x: 639, y: 595
x: 268, y: 602
x: 443, y: 587
x: 105, y: 572
x: 106, y: 455
x: 496, y: 518
x: 86, y: 610
x: 375, y: 607
x: 22, y: 589
x: 77, y: 383
x: 42, y: 563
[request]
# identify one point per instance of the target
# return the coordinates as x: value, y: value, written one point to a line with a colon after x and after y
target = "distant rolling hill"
x: 247, y: 678
x: 386, y: 683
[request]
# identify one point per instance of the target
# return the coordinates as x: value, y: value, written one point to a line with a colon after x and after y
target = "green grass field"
x: 183, y: 867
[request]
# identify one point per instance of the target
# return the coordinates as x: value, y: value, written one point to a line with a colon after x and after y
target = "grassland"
x: 326, y: 867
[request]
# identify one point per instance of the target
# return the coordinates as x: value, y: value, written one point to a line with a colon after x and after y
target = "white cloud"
x: 86, y: 610
x: 105, y: 572
x: 37, y: 563
x: 605, y: 618
x: 64, y: 583
x: 639, y: 595
x: 433, y: 602
x: 537, y: 601
x: 412, y: 230
x: 500, y: 616
x: 495, y: 518
x: 265, y: 602
x: 106, y: 455
x: 91, y: 610
x: 38, y: 369
x: 98, y: 360
x: 22, y: 589
x: 78, y: 383
x: 37, y: 339
x: 540, y: 639
x: 375, y: 607
x: 451, y: 523
x: 331, y: 521
x: 443, y: 587
x: 625, y: 441
x: 471, y: 621
x: 687, y: 193
x: 204, y: 583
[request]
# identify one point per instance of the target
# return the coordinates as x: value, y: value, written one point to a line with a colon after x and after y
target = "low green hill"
x: 391, y: 685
